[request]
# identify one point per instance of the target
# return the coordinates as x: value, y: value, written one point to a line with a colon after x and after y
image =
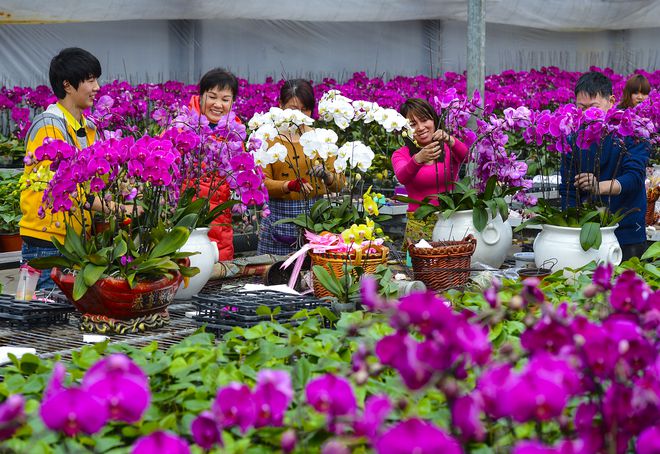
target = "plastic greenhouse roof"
x: 559, y: 15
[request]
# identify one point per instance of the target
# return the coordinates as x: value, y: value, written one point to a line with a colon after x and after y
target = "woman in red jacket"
x: 217, y: 92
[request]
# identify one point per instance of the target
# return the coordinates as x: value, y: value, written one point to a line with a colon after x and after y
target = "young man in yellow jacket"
x: 73, y: 77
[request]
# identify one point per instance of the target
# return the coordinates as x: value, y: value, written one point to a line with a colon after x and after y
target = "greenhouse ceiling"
x: 561, y: 15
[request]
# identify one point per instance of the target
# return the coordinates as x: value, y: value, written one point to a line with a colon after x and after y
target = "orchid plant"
x: 214, y: 162
x: 331, y: 142
x: 568, y: 126
x: 137, y: 184
x: 424, y: 374
x: 495, y: 172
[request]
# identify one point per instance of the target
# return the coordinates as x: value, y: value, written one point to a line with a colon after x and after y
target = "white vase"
x: 493, y: 242
x: 208, y: 255
x: 561, y: 246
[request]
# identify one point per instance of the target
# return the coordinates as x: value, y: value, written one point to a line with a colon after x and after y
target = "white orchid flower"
x: 278, y: 152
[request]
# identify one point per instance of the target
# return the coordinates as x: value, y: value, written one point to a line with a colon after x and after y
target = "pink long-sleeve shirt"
x: 420, y: 179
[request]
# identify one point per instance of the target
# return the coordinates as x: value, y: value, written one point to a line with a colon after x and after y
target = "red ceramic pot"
x: 10, y: 242
x: 113, y: 298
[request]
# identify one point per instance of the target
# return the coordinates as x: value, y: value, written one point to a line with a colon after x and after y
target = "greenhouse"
x: 377, y: 226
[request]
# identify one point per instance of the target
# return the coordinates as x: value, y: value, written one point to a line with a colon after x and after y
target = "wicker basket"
x: 336, y: 261
x: 446, y: 265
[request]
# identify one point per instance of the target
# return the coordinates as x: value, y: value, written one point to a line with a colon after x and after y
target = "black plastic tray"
x: 28, y: 314
x: 223, y: 310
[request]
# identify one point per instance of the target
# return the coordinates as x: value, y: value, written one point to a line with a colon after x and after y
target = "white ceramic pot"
x: 493, y: 243
x: 562, y: 245
x: 208, y: 255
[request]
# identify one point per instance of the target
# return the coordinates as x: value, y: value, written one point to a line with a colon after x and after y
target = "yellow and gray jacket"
x: 50, y: 123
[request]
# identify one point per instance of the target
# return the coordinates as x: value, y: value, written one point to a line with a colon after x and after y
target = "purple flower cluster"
x: 104, y: 166
x: 450, y: 341
x: 217, y: 155
x: 590, y: 127
x: 236, y: 405
x: 135, y: 107
x: 114, y: 389
x: 604, y: 375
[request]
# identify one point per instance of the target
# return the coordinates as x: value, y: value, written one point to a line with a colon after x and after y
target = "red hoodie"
x: 221, y: 231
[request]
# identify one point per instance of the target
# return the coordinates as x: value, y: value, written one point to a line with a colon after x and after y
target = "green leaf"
x: 479, y: 218
x: 171, y: 242
x: 73, y: 242
x: 331, y: 283
x: 263, y: 310
x: 490, y: 188
x: 652, y: 269
x: 43, y: 263
x: 301, y: 373
x: 503, y: 208
x: 120, y: 248
x: 653, y: 252
x: 590, y: 236
x: 79, y: 286
x: 425, y: 210
x: 92, y: 273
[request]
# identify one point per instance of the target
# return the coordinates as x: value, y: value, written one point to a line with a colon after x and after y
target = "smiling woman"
x: 428, y: 164
x: 218, y: 89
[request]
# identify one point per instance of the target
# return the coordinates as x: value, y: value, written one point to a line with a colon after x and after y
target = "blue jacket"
x: 627, y: 164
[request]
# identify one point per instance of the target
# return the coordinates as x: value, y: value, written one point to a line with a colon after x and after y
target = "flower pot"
x: 493, y: 243
x: 562, y: 244
x: 111, y: 305
x: 336, y: 261
x: 10, y: 242
x: 208, y: 255
x: 534, y: 272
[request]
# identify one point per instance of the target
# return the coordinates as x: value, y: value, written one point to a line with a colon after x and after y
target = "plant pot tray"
x: 28, y: 314
x: 223, y: 310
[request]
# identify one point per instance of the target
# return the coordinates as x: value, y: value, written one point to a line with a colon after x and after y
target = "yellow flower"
x: 358, y: 233
x: 369, y: 204
x: 349, y: 235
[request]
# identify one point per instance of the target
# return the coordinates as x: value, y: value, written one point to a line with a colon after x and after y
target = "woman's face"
x: 295, y: 103
x: 216, y: 102
x: 424, y: 129
x: 638, y: 97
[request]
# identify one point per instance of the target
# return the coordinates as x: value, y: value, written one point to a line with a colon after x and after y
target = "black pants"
x: 633, y: 250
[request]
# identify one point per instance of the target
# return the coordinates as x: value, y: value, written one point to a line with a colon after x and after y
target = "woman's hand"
x: 430, y: 152
x: 319, y: 171
x: 297, y: 185
x: 443, y: 136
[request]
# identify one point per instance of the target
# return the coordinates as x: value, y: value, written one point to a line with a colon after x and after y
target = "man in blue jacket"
x: 613, y: 171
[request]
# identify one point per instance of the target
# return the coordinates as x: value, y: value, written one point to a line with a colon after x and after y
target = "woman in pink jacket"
x: 428, y: 164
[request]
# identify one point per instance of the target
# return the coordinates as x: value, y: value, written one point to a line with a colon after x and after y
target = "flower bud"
x: 590, y: 291
x: 361, y: 377
x: 516, y: 302
x: 288, y: 441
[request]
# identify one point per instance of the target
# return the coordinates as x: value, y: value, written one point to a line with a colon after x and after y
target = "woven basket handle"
x: 470, y: 239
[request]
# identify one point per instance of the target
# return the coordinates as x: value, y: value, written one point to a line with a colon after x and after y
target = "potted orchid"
x: 590, y: 222
x: 478, y: 204
x: 126, y: 275
x: 217, y: 174
x: 333, y: 143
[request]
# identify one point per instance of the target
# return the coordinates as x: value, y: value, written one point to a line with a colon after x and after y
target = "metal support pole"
x: 476, y: 47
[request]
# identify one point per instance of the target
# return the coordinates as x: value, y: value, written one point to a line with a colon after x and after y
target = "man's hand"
x: 587, y: 182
